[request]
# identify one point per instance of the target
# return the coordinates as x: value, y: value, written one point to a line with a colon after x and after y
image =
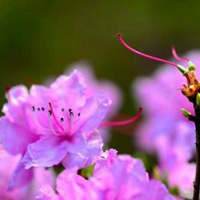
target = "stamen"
x: 176, y: 56
x: 50, y: 123
x: 143, y: 54
x: 33, y: 108
x: 55, y: 117
x: 49, y: 112
x: 62, y: 119
x: 79, y: 114
x: 71, y: 114
x: 121, y: 123
x: 34, y: 117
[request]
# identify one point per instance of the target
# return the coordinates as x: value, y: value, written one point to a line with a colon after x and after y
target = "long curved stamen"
x: 54, y: 116
x: 176, y: 56
x: 121, y: 123
x: 143, y: 54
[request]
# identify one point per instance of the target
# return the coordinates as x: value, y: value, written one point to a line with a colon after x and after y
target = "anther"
x: 49, y: 112
x: 61, y: 119
x: 54, y: 116
x: 79, y: 114
x: 33, y: 108
x: 38, y: 109
x: 42, y: 108
x: 71, y: 114
x: 62, y: 109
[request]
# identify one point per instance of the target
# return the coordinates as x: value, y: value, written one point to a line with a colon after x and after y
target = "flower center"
x: 60, y: 120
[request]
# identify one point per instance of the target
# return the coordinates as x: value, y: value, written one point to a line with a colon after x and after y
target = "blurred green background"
x: 39, y: 39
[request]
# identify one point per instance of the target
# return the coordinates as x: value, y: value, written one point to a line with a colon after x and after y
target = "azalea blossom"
x: 54, y: 124
x: 164, y: 130
x: 27, y: 187
x: 109, y: 88
x: 114, y: 177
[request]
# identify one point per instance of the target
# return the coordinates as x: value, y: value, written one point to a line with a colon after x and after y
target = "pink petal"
x: 83, y: 152
x: 94, y: 112
x: 20, y: 177
x: 48, y: 151
x: 14, y: 137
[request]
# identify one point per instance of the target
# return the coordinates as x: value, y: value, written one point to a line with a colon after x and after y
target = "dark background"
x: 40, y: 38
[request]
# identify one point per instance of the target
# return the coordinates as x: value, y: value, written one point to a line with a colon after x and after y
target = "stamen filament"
x: 77, y: 118
x: 51, y: 125
x: 176, y: 56
x: 54, y: 116
x: 143, y: 54
x: 121, y: 123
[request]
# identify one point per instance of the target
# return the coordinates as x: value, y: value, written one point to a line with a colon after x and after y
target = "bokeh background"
x: 39, y: 39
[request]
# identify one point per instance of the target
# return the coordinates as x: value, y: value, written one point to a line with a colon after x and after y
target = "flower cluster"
x: 114, y: 177
x: 165, y: 131
x: 60, y: 126
x: 28, y: 182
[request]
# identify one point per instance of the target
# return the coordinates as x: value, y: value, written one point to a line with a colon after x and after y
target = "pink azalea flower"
x: 25, y: 190
x: 181, y: 175
x: 165, y: 131
x: 97, y: 85
x: 115, y: 177
x: 163, y: 108
x: 54, y: 124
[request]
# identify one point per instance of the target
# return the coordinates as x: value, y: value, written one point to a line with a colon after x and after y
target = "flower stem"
x: 197, y: 175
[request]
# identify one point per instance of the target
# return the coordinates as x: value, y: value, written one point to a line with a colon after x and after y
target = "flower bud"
x: 182, y: 69
x: 198, y: 99
x: 186, y: 113
x: 191, y: 66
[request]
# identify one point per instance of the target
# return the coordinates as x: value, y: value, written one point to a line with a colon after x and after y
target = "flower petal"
x: 83, y: 152
x: 20, y: 177
x: 14, y: 138
x: 47, y: 193
x: 94, y: 112
x: 46, y: 152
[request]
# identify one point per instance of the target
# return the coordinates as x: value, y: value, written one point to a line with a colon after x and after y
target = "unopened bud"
x: 156, y: 173
x: 182, y: 69
x: 198, y: 99
x: 191, y: 66
x: 186, y: 113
